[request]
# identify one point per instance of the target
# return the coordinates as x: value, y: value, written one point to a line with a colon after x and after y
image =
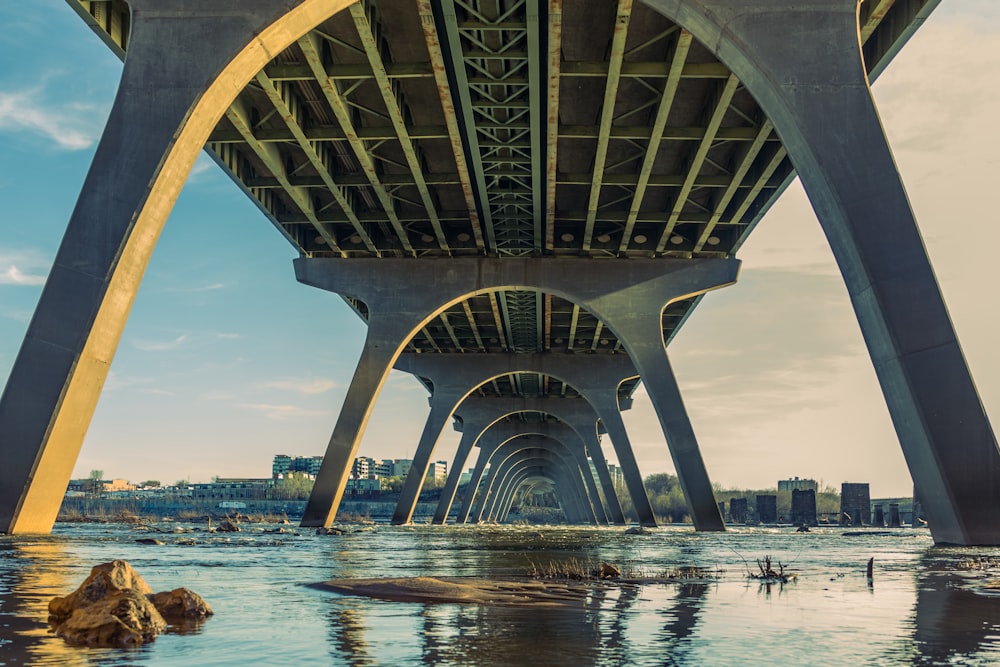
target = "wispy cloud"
x: 24, y: 267
x: 74, y: 126
x: 159, y: 346
x: 281, y: 411
x: 302, y: 386
x: 14, y: 276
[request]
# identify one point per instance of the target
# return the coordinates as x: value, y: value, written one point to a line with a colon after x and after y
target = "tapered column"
x: 385, y: 285
x: 513, y: 450
x: 478, y: 414
x: 812, y: 85
x: 470, y: 434
x: 443, y: 403
x: 577, y: 509
x: 185, y: 66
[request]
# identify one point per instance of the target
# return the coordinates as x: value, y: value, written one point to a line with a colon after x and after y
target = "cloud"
x: 281, y: 411
x: 24, y: 267
x: 14, y: 276
x: 228, y: 336
x: 159, y: 346
x: 302, y: 386
x: 73, y: 126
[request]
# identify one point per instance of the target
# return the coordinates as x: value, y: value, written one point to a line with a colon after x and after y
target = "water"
x: 920, y: 609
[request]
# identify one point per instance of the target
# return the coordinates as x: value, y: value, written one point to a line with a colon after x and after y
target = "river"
x: 924, y: 604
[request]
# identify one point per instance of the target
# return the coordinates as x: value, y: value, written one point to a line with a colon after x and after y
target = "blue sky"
x: 227, y: 360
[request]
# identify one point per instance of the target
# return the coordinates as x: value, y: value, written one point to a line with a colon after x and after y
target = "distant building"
x: 796, y: 484
x: 284, y: 464
x: 438, y: 470
x: 233, y: 488
x: 363, y: 487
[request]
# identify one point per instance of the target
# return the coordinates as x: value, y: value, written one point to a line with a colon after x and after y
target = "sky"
x: 226, y: 360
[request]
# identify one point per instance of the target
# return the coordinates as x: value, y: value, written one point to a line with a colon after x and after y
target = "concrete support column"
x: 812, y: 85
x: 478, y: 414
x: 517, y: 449
x: 506, y: 438
x: 385, y: 285
x: 185, y: 66
x: 516, y: 468
x: 471, y: 490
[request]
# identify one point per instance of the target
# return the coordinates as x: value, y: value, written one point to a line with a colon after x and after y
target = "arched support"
x: 577, y: 509
x: 510, y: 452
x: 812, y: 85
x: 498, y: 436
x: 479, y: 413
x: 385, y: 285
x: 453, y: 378
x: 185, y: 66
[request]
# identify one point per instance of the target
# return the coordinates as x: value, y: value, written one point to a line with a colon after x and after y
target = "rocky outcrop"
x: 114, y: 606
x: 181, y: 606
x: 227, y: 526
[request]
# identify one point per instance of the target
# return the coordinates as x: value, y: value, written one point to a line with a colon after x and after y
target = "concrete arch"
x: 525, y: 477
x: 619, y: 293
x: 455, y: 380
x: 483, y: 414
x: 572, y: 458
x: 182, y: 71
x: 507, y: 452
x: 522, y: 479
x: 516, y: 462
x: 813, y: 87
x: 561, y: 432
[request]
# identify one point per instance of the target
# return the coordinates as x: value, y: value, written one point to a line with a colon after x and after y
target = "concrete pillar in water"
x: 812, y: 85
x: 186, y: 63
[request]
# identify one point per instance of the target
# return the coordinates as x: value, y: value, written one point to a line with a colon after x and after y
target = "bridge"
x: 524, y: 200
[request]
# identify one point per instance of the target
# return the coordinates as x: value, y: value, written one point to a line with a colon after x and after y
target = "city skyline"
x: 226, y: 359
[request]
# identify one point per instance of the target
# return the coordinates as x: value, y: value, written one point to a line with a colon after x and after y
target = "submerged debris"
x: 767, y: 573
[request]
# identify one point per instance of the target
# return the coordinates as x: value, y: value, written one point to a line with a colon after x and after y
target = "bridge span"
x: 524, y: 200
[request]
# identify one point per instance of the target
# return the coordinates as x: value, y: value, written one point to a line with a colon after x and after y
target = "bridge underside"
x: 537, y: 187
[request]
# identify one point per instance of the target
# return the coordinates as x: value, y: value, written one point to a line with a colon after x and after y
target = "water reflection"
x: 682, y: 618
x: 38, y: 569
x: 955, y: 618
x: 600, y: 629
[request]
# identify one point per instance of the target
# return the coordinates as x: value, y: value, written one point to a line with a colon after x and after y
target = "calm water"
x: 921, y: 609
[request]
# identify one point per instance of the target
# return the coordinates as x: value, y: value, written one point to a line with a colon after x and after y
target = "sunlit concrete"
x: 478, y: 414
x: 813, y: 87
x: 628, y: 296
x: 185, y: 67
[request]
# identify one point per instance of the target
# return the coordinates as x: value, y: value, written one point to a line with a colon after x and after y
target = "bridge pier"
x: 185, y: 67
x: 813, y: 87
x: 629, y: 296
x: 454, y: 378
x: 517, y: 455
x: 511, y: 441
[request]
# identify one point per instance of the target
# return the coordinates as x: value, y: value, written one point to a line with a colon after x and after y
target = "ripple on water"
x: 919, y: 608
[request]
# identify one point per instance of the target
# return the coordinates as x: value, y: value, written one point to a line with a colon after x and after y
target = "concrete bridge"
x: 524, y: 199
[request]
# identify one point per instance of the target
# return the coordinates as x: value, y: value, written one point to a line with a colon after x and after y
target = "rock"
x: 329, y: 531
x: 148, y: 540
x: 104, y: 579
x: 609, y: 571
x: 181, y: 605
x: 636, y: 530
x: 115, y: 607
x: 227, y: 526
x: 120, y: 619
x: 802, y: 529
